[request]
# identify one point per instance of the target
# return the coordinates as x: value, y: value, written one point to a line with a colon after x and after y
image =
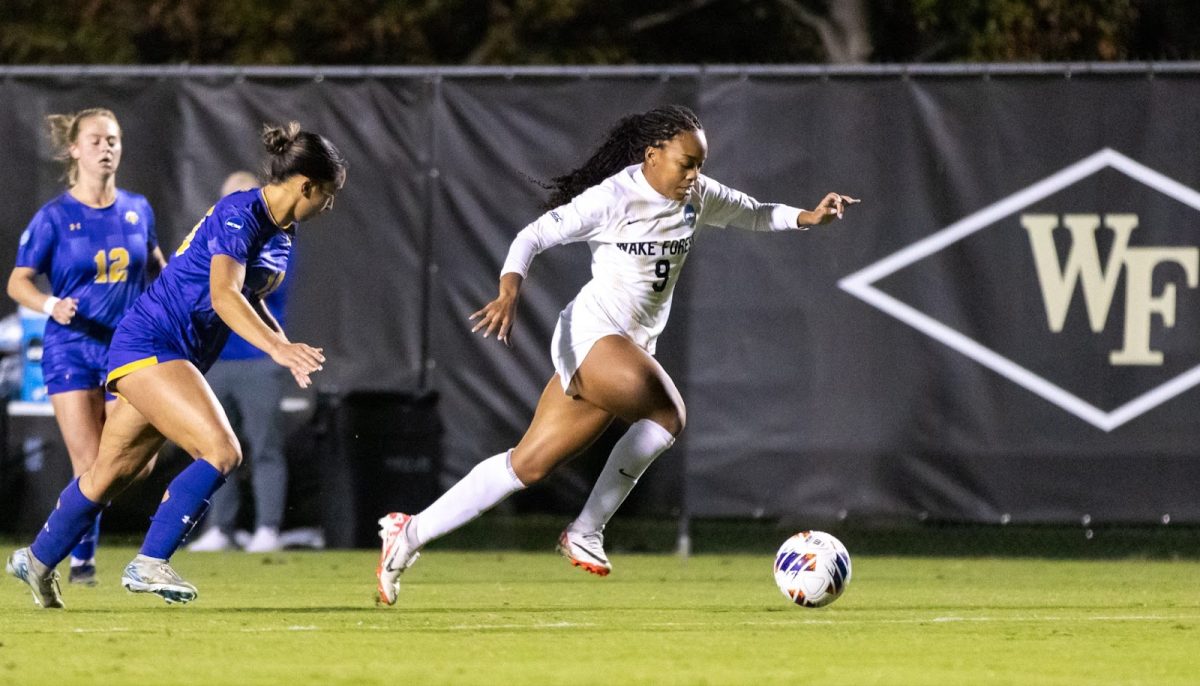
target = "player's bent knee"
x: 225, y: 455
x: 673, y: 422
x: 672, y: 417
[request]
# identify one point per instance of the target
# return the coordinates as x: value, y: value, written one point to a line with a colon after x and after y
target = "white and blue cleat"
x: 150, y: 575
x: 45, y: 588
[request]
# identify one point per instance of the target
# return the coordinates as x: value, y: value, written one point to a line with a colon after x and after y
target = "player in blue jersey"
x: 97, y: 244
x: 250, y: 387
x: 234, y: 257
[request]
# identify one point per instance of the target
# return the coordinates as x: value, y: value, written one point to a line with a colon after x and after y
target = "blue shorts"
x: 130, y: 352
x: 141, y: 341
x: 78, y: 365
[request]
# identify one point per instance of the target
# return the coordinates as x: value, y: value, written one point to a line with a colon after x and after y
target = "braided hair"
x: 625, y: 144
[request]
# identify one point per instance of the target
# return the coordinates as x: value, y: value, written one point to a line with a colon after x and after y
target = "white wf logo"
x: 1100, y: 281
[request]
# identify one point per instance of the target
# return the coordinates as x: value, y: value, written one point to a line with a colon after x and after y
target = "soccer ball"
x: 812, y: 568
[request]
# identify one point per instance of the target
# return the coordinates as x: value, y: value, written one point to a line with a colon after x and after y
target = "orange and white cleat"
x: 585, y: 550
x: 397, y: 555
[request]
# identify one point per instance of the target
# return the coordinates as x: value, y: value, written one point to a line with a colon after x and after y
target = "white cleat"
x: 45, y: 588
x: 148, y: 575
x: 397, y: 555
x: 585, y: 550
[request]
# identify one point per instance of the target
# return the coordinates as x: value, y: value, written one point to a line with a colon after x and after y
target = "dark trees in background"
x: 424, y: 32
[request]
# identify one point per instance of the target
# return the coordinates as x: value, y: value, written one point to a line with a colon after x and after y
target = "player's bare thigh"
x: 562, y: 427
x: 175, y: 398
x: 127, y: 450
x: 626, y: 381
x: 80, y: 416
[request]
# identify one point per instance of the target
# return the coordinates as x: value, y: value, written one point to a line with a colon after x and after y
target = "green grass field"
x: 529, y: 618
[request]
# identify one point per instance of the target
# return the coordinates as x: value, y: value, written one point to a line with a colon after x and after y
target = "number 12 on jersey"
x: 111, y: 268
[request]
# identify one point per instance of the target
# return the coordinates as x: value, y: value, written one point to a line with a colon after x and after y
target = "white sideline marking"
x: 1016, y: 618
x: 549, y: 625
x: 780, y: 623
x: 793, y: 622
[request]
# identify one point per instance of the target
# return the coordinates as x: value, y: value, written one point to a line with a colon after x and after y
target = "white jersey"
x: 639, y: 241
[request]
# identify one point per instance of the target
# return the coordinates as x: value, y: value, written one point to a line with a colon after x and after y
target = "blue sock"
x: 185, y: 503
x: 65, y: 526
x: 85, y: 549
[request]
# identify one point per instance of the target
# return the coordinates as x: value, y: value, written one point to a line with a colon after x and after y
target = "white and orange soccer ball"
x: 812, y: 568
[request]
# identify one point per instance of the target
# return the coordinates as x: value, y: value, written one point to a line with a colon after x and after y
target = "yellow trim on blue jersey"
x: 127, y: 369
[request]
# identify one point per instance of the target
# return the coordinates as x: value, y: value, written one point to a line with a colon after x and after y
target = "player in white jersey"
x: 637, y: 202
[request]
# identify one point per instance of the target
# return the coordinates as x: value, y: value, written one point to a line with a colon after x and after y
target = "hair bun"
x: 278, y: 139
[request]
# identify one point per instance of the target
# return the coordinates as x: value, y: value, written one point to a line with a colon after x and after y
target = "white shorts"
x: 580, y: 325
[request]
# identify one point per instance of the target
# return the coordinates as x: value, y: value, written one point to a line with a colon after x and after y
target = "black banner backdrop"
x: 1004, y: 330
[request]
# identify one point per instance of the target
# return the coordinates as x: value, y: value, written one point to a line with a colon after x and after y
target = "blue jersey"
x: 175, y: 315
x: 95, y: 255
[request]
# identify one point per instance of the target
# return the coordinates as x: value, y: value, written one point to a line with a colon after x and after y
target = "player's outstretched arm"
x: 832, y: 206
x: 226, y: 277
x: 499, y: 315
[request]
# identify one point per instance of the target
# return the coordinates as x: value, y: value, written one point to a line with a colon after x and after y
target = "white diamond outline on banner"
x: 861, y: 285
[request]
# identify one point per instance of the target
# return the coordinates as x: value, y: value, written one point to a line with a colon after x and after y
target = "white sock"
x: 631, y: 456
x: 483, y: 487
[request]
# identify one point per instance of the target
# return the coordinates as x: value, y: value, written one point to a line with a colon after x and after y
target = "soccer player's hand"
x: 64, y: 310
x: 831, y: 206
x: 497, y: 317
x: 300, y: 359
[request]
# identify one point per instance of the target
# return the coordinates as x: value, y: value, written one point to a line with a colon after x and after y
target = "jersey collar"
x: 289, y: 229
x: 643, y: 184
